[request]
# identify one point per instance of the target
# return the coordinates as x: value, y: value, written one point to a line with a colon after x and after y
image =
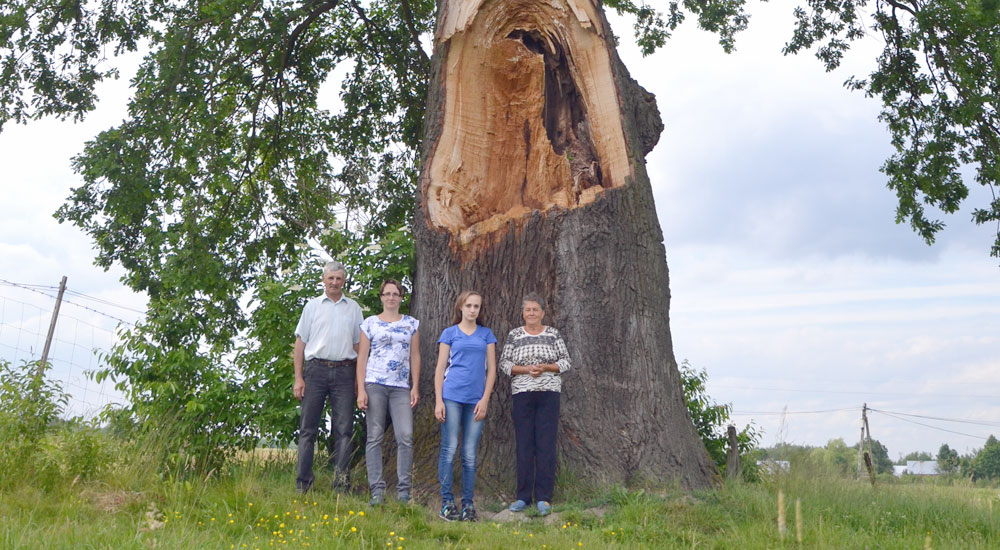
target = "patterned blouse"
x: 389, y: 359
x: 521, y: 348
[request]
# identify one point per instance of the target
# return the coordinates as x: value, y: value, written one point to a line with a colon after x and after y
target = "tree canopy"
x: 228, y: 172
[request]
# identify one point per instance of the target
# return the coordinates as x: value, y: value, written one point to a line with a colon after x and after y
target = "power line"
x: 848, y: 392
x: 975, y: 422
x: 795, y: 412
x: 929, y: 425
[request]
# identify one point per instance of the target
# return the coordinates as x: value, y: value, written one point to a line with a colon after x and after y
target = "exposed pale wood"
x: 514, y: 141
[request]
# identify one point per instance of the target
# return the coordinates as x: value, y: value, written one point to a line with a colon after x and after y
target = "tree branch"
x: 301, y: 27
x: 407, y: 17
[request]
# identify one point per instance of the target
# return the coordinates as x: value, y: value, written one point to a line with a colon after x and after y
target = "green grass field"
x: 252, y: 506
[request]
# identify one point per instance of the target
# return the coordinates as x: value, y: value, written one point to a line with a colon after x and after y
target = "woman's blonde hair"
x: 457, y: 317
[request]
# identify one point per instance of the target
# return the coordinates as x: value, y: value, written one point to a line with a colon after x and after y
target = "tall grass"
x: 87, y: 488
x: 253, y: 503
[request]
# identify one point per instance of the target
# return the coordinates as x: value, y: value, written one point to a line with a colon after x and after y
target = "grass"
x: 252, y: 506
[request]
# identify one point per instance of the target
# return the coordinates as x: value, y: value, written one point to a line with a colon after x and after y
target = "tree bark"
x: 533, y: 179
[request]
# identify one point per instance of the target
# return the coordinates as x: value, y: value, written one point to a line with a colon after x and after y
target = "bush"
x: 34, y: 443
x: 711, y: 420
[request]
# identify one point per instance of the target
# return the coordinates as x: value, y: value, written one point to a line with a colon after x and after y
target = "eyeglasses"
x: 391, y: 295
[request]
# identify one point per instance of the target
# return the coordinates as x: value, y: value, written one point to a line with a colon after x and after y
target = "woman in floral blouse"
x: 535, y: 356
x: 388, y: 382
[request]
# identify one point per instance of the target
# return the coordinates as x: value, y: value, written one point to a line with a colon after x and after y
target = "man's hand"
x: 299, y: 388
x: 362, y: 399
x: 439, y: 411
x: 414, y: 397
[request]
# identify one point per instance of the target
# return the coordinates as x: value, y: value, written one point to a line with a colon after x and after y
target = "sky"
x: 791, y: 284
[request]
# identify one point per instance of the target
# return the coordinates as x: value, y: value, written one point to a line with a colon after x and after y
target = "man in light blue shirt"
x: 326, y: 352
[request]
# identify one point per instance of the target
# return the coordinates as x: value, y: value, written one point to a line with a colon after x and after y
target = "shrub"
x: 711, y: 419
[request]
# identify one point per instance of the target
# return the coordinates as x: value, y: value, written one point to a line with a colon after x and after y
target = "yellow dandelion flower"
x: 230, y: 515
x: 531, y: 535
x: 335, y: 518
x: 325, y: 516
x: 213, y: 519
x: 354, y: 529
x: 392, y: 533
x: 401, y: 539
x: 232, y: 521
x: 249, y: 504
x: 361, y: 513
x: 315, y: 504
x: 282, y: 526
x: 579, y: 543
x: 351, y: 512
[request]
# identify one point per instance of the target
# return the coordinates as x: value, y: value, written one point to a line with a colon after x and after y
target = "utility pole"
x: 52, y: 330
x: 861, y: 440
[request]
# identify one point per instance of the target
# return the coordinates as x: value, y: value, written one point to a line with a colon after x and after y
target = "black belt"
x: 328, y: 363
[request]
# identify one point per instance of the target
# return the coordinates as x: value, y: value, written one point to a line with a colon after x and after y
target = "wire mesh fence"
x: 86, y: 330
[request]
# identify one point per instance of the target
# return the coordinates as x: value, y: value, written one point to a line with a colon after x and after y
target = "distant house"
x: 770, y: 466
x: 917, y: 468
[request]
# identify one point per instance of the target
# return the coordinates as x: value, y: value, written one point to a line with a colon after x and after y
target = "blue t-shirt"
x: 465, y: 377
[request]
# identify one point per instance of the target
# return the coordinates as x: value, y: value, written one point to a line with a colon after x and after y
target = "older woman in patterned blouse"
x: 535, y: 356
x: 388, y: 375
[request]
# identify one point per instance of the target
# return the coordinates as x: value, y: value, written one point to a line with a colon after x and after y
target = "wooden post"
x: 733, y: 464
x: 861, y: 441
x: 869, y: 458
x: 52, y: 330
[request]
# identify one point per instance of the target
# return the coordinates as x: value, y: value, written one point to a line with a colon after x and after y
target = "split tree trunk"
x: 533, y: 179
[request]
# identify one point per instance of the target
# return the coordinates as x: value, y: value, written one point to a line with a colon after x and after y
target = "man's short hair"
x: 332, y: 266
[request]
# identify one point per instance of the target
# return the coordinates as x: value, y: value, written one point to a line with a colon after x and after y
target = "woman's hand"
x: 439, y: 411
x: 536, y: 370
x: 414, y: 397
x: 480, y: 410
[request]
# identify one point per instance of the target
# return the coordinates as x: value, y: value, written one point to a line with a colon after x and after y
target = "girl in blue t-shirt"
x: 463, y: 382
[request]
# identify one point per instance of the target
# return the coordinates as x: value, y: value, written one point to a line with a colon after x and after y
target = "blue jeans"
x: 459, y: 415
x: 322, y: 383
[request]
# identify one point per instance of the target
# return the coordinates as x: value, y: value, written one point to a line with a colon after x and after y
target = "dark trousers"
x: 337, y: 384
x: 536, y: 420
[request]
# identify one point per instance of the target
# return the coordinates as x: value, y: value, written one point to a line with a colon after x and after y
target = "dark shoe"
x: 449, y: 512
x: 469, y: 512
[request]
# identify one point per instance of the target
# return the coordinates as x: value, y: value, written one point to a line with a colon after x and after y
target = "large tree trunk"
x: 533, y: 179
